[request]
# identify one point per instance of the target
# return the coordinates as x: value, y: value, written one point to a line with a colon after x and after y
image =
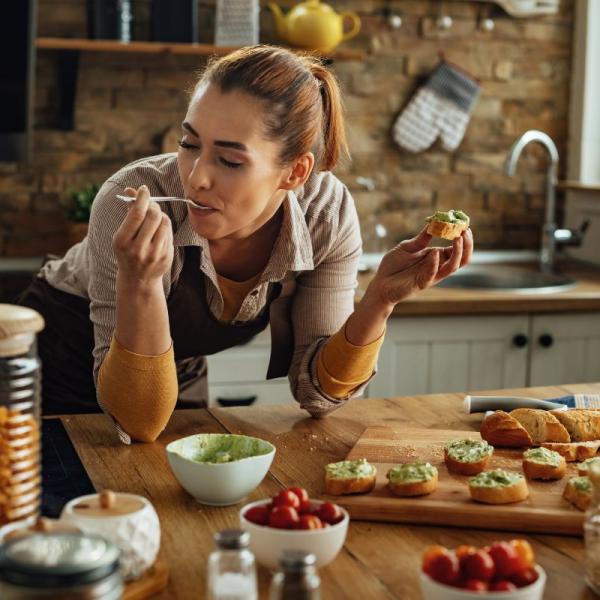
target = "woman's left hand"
x: 412, y: 266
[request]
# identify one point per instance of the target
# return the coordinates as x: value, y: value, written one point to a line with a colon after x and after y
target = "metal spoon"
x: 165, y: 199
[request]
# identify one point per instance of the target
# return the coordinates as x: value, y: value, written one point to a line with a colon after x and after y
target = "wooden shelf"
x: 577, y: 185
x: 86, y: 45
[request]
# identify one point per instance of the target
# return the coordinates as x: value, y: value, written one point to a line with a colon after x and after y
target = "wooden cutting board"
x: 545, y: 511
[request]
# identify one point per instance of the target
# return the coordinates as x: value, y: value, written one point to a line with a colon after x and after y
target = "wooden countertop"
x: 585, y: 296
x: 379, y: 560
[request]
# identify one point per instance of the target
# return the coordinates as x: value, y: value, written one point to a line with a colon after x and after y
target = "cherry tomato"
x: 258, y: 515
x: 524, y: 578
x: 476, y: 585
x: 441, y: 565
x: 286, y: 498
x: 309, y: 522
x: 283, y: 517
x: 302, y: 497
x: 479, y: 565
x: 503, y: 586
x: 525, y: 556
x: 329, y: 513
x: 505, y: 558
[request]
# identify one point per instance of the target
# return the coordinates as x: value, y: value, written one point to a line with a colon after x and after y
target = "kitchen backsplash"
x: 127, y: 105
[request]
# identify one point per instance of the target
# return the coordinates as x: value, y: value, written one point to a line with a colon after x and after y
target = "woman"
x: 154, y: 288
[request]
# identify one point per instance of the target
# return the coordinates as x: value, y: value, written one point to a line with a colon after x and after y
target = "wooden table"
x: 379, y: 560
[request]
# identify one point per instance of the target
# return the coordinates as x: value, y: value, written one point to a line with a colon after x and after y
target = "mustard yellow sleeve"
x: 342, y: 366
x: 139, y: 391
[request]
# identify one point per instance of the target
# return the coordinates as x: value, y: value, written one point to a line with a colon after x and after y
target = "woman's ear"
x: 298, y: 172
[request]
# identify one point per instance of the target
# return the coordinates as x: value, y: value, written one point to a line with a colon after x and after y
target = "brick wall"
x: 126, y: 103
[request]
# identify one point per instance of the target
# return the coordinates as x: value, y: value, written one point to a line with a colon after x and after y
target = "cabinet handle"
x: 241, y: 401
x: 520, y: 340
x: 546, y: 340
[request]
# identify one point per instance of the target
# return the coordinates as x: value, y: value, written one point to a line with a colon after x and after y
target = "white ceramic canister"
x: 127, y: 520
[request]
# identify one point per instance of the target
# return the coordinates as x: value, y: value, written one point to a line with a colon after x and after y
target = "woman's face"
x: 226, y: 163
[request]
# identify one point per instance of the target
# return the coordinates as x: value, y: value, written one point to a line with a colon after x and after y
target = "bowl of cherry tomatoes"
x: 505, y: 570
x: 291, y: 520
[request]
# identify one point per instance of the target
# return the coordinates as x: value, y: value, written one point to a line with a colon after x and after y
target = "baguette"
x: 583, y: 467
x: 582, y: 424
x: 498, y: 487
x: 574, y: 451
x: 541, y: 463
x: 349, y: 477
x: 501, y: 429
x: 447, y: 225
x: 541, y: 425
x: 412, y: 479
x: 578, y: 492
x: 467, y: 457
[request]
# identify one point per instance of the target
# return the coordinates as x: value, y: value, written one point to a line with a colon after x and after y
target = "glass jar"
x: 69, y: 566
x: 231, y: 567
x: 591, y: 529
x: 20, y: 468
x: 297, y: 578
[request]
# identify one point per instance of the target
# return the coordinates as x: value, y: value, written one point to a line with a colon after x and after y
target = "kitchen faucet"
x: 551, y: 235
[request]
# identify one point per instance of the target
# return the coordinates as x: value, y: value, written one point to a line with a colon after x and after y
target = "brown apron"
x: 65, y: 345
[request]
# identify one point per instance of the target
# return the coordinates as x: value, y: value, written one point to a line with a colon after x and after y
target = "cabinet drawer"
x: 268, y: 392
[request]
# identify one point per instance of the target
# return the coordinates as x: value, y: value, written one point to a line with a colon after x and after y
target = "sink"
x: 507, y: 278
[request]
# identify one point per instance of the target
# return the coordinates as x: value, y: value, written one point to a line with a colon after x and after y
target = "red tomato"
x: 302, y: 497
x: 329, y: 513
x: 479, y: 565
x: 283, y: 517
x: 505, y: 558
x: 286, y: 498
x: 525, y: 554
x: 441, y: 564
x: 258, y: 515
x: 503, y: 586
x: 524, y: 578
x: 476, y: 585
x: 309, y: 522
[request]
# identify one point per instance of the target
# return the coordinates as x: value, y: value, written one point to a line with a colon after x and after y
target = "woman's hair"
x: 303, y: 106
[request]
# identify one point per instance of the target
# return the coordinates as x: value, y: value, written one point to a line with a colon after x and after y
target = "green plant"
x: 80, y: 203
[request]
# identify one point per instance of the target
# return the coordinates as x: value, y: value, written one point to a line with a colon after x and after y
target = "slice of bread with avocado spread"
x: 349, y: 477
x: 578, y: 492
x: 541, y: 463
x: 447, y: 225
x: 467, y: 457
x: 412, y: 479
x: 498, y: 487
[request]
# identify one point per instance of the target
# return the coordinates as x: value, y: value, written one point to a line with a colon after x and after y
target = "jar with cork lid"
x: 20, y: 374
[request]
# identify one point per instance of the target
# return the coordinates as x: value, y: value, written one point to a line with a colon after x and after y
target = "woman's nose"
x: 200, y: 177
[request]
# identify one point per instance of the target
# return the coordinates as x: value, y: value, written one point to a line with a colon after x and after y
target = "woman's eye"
x: 229, y: 164
x: 185, y: 144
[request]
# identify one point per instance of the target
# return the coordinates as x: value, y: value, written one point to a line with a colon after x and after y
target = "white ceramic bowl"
x: 218, y: 484
x: 432, y: 590
x: 268, y: 543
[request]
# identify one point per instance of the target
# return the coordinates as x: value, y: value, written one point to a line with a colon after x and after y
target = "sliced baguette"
x: 501, y: 429
x: 411, y: 487
x: 582, y: 424
x: 447, y: 231
x: 534, y: 468
x: 462, y: 463
x: 574, y: 451
x: 361, y: 482
x: 583, y: 467
x: 578, y: 495
x: 541, y: 425
x: 515, y: 491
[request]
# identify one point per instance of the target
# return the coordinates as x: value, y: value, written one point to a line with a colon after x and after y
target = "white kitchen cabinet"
x: 239, y: 374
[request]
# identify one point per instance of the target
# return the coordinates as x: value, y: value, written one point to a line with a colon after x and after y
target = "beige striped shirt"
x: 319, y: 245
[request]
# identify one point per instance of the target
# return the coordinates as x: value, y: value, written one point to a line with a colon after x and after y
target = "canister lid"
x: 47, y: 560
x: 17, y: 326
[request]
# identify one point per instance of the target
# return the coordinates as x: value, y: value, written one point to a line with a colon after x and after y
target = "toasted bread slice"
x: 466, y: 456
x: 583, y: 467
x: 498, y: 487
x: 574, y: 451
x: 541, y: 463
x: 412, y: 479
x: 500, y: 429
x: 578, y: 492
x: 447, y: 231
x: 349, y: 477
x: 582, y: 424
x: 541, y: 425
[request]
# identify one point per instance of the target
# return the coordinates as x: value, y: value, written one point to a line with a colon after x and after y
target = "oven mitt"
x: 442, y: 107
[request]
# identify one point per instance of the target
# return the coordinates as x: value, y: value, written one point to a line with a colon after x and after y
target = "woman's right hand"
x: 143, y: 244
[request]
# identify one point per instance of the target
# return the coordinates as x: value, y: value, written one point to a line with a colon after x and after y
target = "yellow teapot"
x: 314, y: 26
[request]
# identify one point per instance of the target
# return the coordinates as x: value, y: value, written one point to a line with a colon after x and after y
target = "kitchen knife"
x: 475, y: 404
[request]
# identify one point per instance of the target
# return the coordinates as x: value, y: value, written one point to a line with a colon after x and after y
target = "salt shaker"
x: 297, y: 579
x: 592, y: 531
x: 231, y: 568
